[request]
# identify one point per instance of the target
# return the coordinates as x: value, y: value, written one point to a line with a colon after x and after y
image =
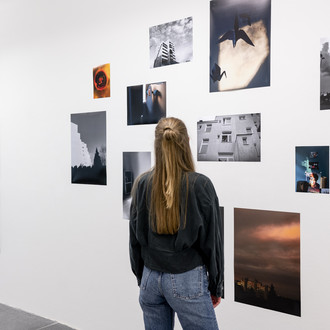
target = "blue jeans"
x: 163, y: 294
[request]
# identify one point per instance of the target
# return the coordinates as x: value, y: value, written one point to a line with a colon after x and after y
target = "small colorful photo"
x: 134, y: 164
x: 146, y: 104
x: 171, y: 43
x: 229, y: 138
x: 101, y: 81
x: 312, y: 169
x: 267, y: 259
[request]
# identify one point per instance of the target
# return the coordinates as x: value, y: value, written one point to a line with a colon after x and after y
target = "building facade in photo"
x: 229, y: 138
x: 166, y: 54
x: 79, y: 150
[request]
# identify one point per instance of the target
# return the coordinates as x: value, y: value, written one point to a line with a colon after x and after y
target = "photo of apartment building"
x: 229, y: 138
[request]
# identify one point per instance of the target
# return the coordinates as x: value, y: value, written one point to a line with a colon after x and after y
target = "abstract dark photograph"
x: 134, y: 164
x: 146, y: 104
x: 325, y: 74
x: 267, y: 259
x: 101, y: 81
x: 171, y: 43
x: 312, y: 169
x: 240, y: 32
x: 229, y: 138
x: 88, y: 148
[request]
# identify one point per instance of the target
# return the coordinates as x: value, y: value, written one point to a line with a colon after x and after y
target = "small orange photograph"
x: 101, y: 81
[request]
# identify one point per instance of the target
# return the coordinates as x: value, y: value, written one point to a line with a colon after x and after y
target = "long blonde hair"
x: 173, y: 159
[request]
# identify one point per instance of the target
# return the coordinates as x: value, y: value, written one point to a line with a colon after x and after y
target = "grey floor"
x: 15, y: 319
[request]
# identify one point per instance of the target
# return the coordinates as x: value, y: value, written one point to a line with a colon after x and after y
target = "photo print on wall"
x: 312, y: 169
x: 229, y: 138
x: 134, y: 164
x: 325, y: 74
x: 171, y: 43
x: 222, y: 220
x: 239, y: 44
x: 267, y: 259
x: 101, y: 81
x: 146, y: 107
x: 88, y: 148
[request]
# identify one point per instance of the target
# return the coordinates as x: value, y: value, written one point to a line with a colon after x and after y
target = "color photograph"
x: 240, y: 33
x: 101, y: 81
x: 134, y: 164
x: 229, y: 138
x: 267, y: 259
x: 171, y: 43
x: 312, y: 169
x: 325, y: 74
x: 148, y: 106
x: 88, y: 148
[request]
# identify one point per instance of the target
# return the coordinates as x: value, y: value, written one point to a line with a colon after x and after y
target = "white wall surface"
x: 64, y: 247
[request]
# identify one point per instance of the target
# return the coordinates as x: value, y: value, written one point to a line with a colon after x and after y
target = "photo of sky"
x: 267, y: 259
x: 180, y: 33
x: 239, y: 44
x: 325, y: 74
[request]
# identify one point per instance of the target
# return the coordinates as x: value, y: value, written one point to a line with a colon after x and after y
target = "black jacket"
x: 200, y: 242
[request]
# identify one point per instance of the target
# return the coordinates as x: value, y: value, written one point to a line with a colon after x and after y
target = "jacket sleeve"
x: 211, y: 239
x: 134, y: 245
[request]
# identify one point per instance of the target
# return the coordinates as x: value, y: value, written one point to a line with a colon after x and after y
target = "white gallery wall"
x: 64, y: 247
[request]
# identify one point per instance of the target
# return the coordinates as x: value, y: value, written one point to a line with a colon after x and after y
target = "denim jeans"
x: 163, y: 294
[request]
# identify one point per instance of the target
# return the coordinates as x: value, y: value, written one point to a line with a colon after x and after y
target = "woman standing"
x: 175, y: 238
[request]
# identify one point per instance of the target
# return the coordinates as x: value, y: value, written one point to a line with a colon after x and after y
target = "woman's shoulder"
x: 199, y: 178
x: 143, y: 178
x: 201, y: 185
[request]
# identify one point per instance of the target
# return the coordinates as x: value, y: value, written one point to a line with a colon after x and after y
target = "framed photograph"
x: 325, y: 74
x: 101, y: 81
x: 88, y: 148
x: 239, y: 44
x: 312, y: 169
x: 229, y: 138
x: 146, y: 104
x: 171, y: 43
x: 134, y: 164
x: 267, y: 259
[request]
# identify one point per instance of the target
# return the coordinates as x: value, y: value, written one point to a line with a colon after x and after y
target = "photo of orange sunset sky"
x: 267, y: 259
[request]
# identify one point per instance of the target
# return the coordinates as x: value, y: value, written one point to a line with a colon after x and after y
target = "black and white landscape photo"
x: 171, y: 43
x: 88, y: 148
x: 229, y: 138
x: 134, y: 164
x: 325, y: 74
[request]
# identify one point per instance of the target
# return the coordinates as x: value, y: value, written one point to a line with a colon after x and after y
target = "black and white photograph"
x: 146, y: 104
x: 229, y: 138
x: 325, y: 74
x: 134, y: 164
x: 88, y: 148
x: 171, y: 43
x: 222, y: 221
x: 240, y: 33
